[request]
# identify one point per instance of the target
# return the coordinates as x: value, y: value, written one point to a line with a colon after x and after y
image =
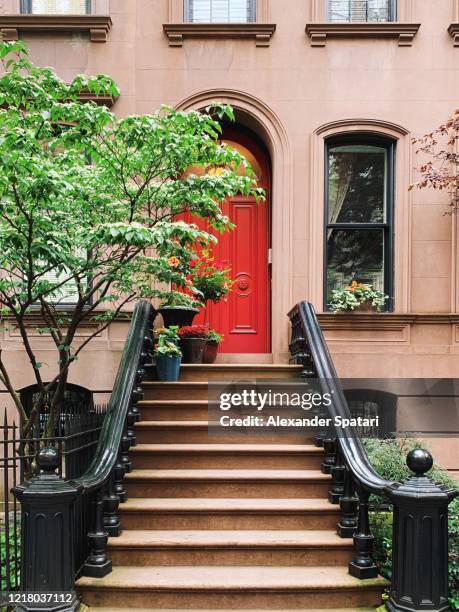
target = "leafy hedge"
x: 388, y: 457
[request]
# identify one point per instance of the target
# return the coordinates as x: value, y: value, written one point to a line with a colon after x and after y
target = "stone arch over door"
x: 252, y: 113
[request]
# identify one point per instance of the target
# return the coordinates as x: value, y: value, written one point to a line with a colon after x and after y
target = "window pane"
x: 357, y: 184
x: 359, y: 10
x: 355, y: 255
x: 220, y: 11
x: 59, y: 7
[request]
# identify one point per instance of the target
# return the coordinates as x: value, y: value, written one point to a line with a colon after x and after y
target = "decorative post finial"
x: 48, y: 460
x: 419, y: 461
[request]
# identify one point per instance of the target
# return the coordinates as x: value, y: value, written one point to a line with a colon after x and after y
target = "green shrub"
x: 388, y: 457
x: 14, y: 558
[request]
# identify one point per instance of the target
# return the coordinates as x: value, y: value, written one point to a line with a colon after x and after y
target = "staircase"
x: 215, y: 523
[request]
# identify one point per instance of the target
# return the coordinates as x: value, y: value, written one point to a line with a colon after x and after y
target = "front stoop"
x: 215, y: 523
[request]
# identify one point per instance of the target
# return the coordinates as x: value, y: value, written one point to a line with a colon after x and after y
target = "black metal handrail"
x: 87, y: 505
x: 120, y: 400
x: 351, y: 445
x: 420, y: 506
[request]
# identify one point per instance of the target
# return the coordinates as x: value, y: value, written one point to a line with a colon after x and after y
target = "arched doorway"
x: 244, y: 317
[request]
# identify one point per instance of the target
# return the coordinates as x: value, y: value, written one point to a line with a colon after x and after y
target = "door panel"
x: 243, y: 318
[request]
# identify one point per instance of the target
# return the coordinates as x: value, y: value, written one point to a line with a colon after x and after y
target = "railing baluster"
x: 363, y: 566
x: 337, y: 472
x: 97, y: 564
x: 111, y: 503
x: 349, y: 504
x: 329, y: 446
x: 118, y: 480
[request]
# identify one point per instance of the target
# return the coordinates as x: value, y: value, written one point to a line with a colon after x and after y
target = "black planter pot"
x: 192, y: 349
x: 178, y: 315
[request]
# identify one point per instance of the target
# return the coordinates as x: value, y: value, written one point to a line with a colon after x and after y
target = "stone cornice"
x: 260, y: 32
x: 320, y: 32
x: 98, y: 26
x: 383, y: 321
x: 453, y: 31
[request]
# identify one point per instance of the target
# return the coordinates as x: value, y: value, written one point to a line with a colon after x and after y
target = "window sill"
x: 97, y: 25
x: 453, y: 31
x: 320, y: 32
x: 260, y: 32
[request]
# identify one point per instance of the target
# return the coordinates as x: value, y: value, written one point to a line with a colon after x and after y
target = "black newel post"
x: 420, y: 540
x: 48, y: 505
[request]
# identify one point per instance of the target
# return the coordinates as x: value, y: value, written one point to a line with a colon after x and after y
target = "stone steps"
x: 215, y: 547
x: 216, y: 588
x: 226, y: 456
x: 228, y: 483
x: 231, y: 371
x: 228, y: 513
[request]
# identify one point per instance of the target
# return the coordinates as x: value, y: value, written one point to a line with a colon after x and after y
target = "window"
x: 361, y: 10
x: 359, y: 212
x: 219, y: 11
x: 56, y: 7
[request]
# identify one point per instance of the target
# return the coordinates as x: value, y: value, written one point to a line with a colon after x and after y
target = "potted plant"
x: 168, y: 333
x: 192, y: 342
x: 357, y: 297
x: 213, y: 339
x: 211, y: 280
x: 178, y: 309
x: 168, y: 357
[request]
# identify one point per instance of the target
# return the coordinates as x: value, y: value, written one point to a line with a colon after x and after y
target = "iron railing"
x: 76, y: 437
x: 75, y: 495
x: 420, y: 507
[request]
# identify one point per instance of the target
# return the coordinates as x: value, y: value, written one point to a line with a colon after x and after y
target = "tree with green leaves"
x: 89, y: 206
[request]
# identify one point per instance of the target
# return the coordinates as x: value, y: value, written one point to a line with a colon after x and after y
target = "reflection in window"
x: 219, y: 11
x: 56, y: 7
x: 361, y: 10
x: 359, y: 214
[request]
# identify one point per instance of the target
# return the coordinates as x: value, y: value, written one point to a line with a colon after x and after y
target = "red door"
x: 243, y: 318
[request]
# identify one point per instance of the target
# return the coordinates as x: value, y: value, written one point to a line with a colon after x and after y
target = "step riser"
x: 226, y: 489
x: 174, y: 413
x: 214, y: 600
x: 149, y: 520
x: 224, y: 461
x: 234, y: 373
x: 196, y: 435
x: 269, y: 557
x: 175, y: 393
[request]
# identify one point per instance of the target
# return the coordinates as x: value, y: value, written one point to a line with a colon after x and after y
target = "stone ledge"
x: 98, y: 26
x: 383, y: 321
x: 260, y: 32
x: 320, y: 32
x: 453, y: 31
x: 100, y: 99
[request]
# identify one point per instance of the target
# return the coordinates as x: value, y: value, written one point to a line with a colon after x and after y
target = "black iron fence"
x: 77, y: 436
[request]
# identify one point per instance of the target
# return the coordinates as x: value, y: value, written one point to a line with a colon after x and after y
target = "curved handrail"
x: 351, y: 446
x: 120, y: 399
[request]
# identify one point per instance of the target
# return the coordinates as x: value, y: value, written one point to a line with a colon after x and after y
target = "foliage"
x: 388, y: 457
x: 193, y: 331
x: 177, y: 298
x: 354, y: 295
x: 116, y: 186
x: 10, y: 554
x: 211, y: 280
x: 169, y: 333
x: 213, y: 336
x: 167, y: 348
x: 440, y: 171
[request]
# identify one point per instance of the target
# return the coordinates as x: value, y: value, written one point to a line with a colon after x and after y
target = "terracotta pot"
x: 178, y: 315
x: 192, y: 349
x: 210, y: 352
x: 366, y: 306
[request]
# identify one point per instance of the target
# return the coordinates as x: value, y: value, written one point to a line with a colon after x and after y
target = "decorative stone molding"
x: 318, y: 11
x: 98, y: 26
x: 453, y: 31
x: 402, y: 204
x: 260, y: 32
x: 319, y: 32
